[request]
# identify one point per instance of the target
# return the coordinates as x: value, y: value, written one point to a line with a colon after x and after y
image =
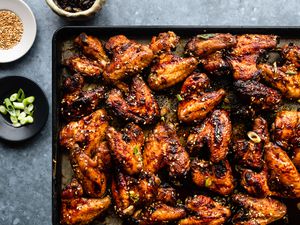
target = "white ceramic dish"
x: 22, y: 10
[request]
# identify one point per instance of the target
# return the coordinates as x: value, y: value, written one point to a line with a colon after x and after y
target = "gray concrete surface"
x: 25, y: 170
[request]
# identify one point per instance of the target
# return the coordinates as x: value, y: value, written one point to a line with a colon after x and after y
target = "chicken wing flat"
x: 81, y: 103
x: 129, y: 58
x: 164, y: 42
x: 258, y: 95
x: 158, y: 213
x: 215, y: 132
x: 208, y: 211
x: 83, y: 210
x: 163, y: 148
x: 257, y: 210
x: 283, y: 176
x: 139, y: 105
x: 286, y: 129
x: 92, y: 47
x: 196, y: 83
x: 169, y: 70
x: 244, y: 56
x: 250, y: 153
x: 215, y: 177
x: 126, y: 147
x: 216, y: 64
x: 206, y: 44
x: 86, y: 133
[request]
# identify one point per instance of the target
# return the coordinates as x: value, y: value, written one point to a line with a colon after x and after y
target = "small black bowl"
x: 10, y: 85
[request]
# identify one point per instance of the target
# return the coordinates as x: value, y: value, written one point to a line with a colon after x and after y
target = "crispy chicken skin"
x: 206, y: 210
x: 82, y: 211
x: 286, y: 80
x: 81, y: 103
x: 166, y: 195
x: 129, y: 58
x: 216, y: 132
x: 158, y: 213
x: 139, y: 105
x: 283, y: 176
x: 92, y: 47
x: 197, y: 103
x: 286, y: 129
x: 164, y: 42
x: 244, y: 56
x: 216, y: 64
x: 163, y: 148
x: 73, y: 83
x: 291, y: 53
x: 86, y: 133
x: 248, y: 153
x: 126, y: 147
x: 258, y: 95
x: 86, y: 67
x: 169, y: 70
x: 72, y: 190
x: 257, y: 210
x: 206, y: 44
x: 216, y: 177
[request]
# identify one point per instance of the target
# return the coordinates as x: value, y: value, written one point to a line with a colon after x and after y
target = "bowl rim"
x: 95, y: 7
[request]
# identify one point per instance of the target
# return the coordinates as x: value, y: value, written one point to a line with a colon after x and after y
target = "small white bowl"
x: 22, y: 10
x: 83, y: 15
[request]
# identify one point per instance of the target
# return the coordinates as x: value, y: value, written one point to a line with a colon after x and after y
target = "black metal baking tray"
x: 140, y: 33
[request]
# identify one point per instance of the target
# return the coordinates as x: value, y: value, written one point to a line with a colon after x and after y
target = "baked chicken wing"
x: 164, y: 42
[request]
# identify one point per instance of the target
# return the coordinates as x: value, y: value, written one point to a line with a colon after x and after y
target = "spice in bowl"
x: 11, y: 29
x: 75, y: 5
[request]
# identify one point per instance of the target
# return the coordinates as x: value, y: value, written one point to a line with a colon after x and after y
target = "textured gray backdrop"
x: 25, y: 170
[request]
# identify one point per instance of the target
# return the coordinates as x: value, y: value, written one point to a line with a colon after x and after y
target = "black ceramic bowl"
x: 10, y: 85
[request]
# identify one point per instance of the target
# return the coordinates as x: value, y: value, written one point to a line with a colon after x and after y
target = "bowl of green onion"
x: 23, y: 108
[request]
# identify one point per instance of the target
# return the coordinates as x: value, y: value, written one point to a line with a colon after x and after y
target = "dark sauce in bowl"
x: 75, y: 5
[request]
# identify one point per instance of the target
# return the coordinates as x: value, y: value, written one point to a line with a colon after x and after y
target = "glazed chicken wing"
x: 73, y: 83
x: 258, y: 95
x: 126, y: 147
x: 257, y: 210
x: 169, y: 70
x: 286, y: 129
x: 164, y: 42
x: 129, y: 58
x: 216, y: 177
x: 195, y: 84
x: 166, y: 195
x: 83, y: 210
x: 215, y: 132
x: 86, y: 133
x: 206, y: 44
x: 72, y: 190
x: 206, y: 210
x: 163, y: 148
x: 139, y: 105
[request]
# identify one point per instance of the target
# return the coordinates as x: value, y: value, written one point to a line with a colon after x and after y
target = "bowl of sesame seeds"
x: 17, y: 30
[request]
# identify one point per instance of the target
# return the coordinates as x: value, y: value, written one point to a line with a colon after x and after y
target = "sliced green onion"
x: 205, y: 36
x: 28, y: 100
x: 179, y: 98
x: 22, y: 115
x: 18, y: 105
x: 30, y: 107
x: 290, y: 72
x: 3, y: 110
x: 18, y: 111
x: 9, y: 107
x: 23, y: 121
x: 20, y: 95
x: 14, y: 119
x: 16, y: 124
x: 208, y: 182
x: 29, y: 119
x: 13, y: 97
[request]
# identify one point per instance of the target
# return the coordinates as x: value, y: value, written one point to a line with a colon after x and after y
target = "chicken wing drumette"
x: 216, y: 177
x: 244, y: 56
x: 196, y: 102
x: 206, y: 211
x: 164, y: 42
x: 215, y: 132
x: 163, y: 148
x: 129, y: 58
x: 139, y: 105
x: 257, y: 210
x: 205, y: 44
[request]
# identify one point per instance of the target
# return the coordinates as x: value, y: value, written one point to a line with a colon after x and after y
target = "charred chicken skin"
x: 215, y: 132
x: 73, y: 83
x: 257, y: 210
x: 169, y: 70
x: 206, y: 210
x: 163, y: 148
x: 206, y: 44
x: 128, y: 58
x: 126, y: 147
x: 197, y: 103
x: 216, y: 177
x: 164, y: 42
x: 139, y: 105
